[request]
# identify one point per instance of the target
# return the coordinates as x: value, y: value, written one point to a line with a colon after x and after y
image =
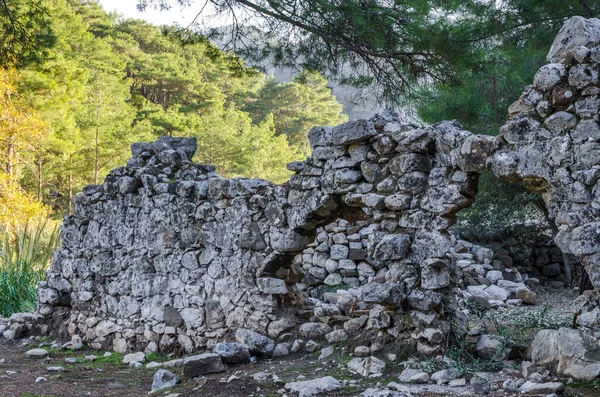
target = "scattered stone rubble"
x: 166, y: 253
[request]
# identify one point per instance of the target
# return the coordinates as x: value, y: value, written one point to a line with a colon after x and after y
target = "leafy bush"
x: 24, y: 257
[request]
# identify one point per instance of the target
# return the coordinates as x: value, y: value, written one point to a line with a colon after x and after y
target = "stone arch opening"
x: 513, y: 221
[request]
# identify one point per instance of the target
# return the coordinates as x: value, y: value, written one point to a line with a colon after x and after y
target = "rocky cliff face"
x: 166, y: 252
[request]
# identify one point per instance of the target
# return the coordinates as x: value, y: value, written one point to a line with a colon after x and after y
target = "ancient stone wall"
x: 167, y: 254
x: 553, y: 142
x: 166, y: 251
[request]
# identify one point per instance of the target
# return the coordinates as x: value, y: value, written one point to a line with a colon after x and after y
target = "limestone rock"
x: 374, y: 392
x: 257, y: 343
x: 202, y: 364
x: 548, y: 76
x: 445, y: 375
x: 488, y: 347
x: 567, y: 352
x: 314, y: 387
x: 232, y: 353
x: 576, y: 31
x: 367, y: 366
x: 163, y: 379
x: 314, y: 330
x: 138, y: 357
x: 39, y: 353
x: 336, y: 336
x: 352, y: 132
x: 74, y: 344
x: 409, y: 375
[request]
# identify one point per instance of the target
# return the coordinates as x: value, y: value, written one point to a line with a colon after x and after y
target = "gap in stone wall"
x: 523, y: 240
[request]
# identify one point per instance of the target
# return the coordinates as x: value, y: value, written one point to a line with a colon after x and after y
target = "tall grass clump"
x: 25, y: 255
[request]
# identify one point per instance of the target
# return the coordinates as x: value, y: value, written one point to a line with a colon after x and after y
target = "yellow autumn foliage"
x: 17, y: 207
x: 20, y: 129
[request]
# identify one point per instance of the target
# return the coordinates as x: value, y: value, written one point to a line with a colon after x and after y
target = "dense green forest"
x: 69, y: 116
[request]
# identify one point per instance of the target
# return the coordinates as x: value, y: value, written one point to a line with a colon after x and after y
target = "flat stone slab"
x: 313, y: 387
x: 202, y: 364
x: 36, y: 353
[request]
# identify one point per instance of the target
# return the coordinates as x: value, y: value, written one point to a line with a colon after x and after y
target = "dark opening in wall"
x: 514, y: 223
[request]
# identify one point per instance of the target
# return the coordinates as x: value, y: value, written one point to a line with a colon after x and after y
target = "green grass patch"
x: 592, y: 385
x: 115, y: 359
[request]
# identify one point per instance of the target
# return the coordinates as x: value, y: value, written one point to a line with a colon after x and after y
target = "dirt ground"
x: 109, y: 377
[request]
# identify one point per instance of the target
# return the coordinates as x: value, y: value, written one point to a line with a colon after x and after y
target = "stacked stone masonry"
x: 168, y: 254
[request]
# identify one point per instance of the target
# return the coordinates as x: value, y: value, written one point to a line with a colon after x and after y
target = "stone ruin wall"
x: 167, y: 253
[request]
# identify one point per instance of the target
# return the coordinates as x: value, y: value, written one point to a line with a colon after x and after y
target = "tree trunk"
x: 10, y: 149
x: 70, y: 195
x: 40, y: 180
x: 96, y: 161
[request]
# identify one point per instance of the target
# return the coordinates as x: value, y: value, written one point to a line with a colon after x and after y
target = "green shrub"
x: 24, y: 257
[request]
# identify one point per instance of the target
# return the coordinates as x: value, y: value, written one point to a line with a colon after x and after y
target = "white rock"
x: 408, y: 374
x: 576, y: 31
x: 36, y: 353
x: 458, y: 382
x: 548, y: 76
x: 497, y: 293
x: 367, y: 366
x: 163, y: 379
x: 134, y: 357
x: 493, y: 276
x: 326, y: 352
x: 313, y: 387
x: 74, y: 344
x: 153, y: 364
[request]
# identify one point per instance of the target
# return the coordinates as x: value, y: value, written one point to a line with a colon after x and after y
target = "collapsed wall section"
x: 168, y: 253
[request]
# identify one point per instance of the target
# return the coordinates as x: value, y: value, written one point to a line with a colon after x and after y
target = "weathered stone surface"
x: 488, y: 347
x: 536, y: 389
x: 577, y: 31
x: 232, y: 353
x: 367, y: 366
x: 192, y: 256
x: 352, y: 132
x: 274, y: 286
x: 567, y: 352
x: 138, y: 357
x: 256, y: 343
x: 548, y: 76
x: 314, y: 330
x: 202, y: 364
x: 36, y: 353
x: 410, y: 375
x: 309, y: 388
x: 163, y: 379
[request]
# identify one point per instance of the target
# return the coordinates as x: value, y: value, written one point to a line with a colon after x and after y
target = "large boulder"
x: 232, y: 353
x: 576, y: 31
x: 567, y: 352
x: 207, y: 363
